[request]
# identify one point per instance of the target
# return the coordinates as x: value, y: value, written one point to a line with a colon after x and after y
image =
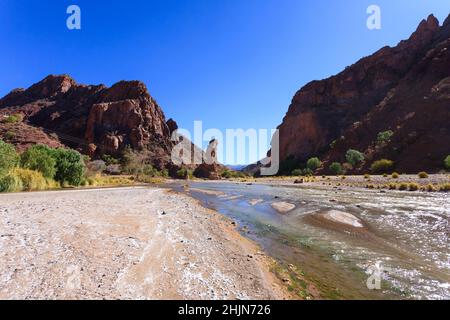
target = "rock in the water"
x: 283, y: 207
x: 343, y: 218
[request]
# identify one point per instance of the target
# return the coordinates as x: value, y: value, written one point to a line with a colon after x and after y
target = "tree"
x: 336, y: 168
x: 447, y: 162
x: 354, y: 157
x: 9, y: 158
x: 313, y: 164
x: 385, y: 136
x: 39, y: 158
x: 70, y: 167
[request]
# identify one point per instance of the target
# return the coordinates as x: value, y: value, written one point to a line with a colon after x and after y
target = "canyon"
x: 404, y: 89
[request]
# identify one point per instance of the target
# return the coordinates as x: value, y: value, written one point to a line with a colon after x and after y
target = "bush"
x: 403, y: 186
x: 225, y: 174
x: 395, y: 175
x: 308, y: 172
x: 423, y: 175
x: 39, y: 158
x: 392, y: 186
x: 313, y: 164
x: 15, y: 118
x: 447, y: 162
x: 413, y: 187
x: 31, y: 180
x: 9, y: 158
x: 11, y: 183
x: 297, y: 172
x: 70, y: 167
x: 9, y: 135
x: 444, y: 187
x: 354, y: 157
x: 385, y: 136
x: 184, y: 173
x: 110, y: 160
x: 336, y: 168
x: 382, y: 165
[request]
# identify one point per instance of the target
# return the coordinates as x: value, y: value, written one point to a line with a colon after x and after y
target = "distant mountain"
x: 236, y: 167
x: 404, y: 89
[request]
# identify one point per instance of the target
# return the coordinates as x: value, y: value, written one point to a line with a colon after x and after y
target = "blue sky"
x: 229, y: 63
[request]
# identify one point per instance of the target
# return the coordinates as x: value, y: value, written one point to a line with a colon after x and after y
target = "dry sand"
x: 129, y: 243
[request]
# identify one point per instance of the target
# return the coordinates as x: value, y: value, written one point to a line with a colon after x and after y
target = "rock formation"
x: 404, y: 89
x: 95, y: 120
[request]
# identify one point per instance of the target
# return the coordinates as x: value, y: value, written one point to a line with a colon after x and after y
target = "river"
x: 405, y: 240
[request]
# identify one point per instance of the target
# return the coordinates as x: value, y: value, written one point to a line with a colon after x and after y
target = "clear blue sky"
x: 230, y: 63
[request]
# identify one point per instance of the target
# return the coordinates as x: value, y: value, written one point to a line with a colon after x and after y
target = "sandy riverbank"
x: 382, y: 183
x: 129, y: 243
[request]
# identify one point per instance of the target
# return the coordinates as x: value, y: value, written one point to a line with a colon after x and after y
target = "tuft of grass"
x: 395, y: 175
x: 403, y: 186
x: 413, y: 187
x: 423, y: 175
x: 392, y: 186
x: 444, y: 187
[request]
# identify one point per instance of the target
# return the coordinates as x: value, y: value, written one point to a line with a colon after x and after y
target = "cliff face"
x: 404, y: 89
x: 93, y: 119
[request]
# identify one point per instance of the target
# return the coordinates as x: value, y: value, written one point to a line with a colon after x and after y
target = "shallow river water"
x: 406, y: 245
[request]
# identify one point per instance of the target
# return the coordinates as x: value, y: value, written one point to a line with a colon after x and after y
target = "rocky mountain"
x: 403, y: 89
x: 95, y: 120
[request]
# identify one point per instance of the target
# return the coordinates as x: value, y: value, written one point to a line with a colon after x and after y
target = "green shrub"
x: 313, y: 164
x: 15, y: 118
x: 307, y: 172
x: 423, y: 175
x: 149, y: 170
x: 382, y: 166
x: 9, y: 135
x: 354, y: 157
x: 184, y: 173
x: 413, y: 187
x: 226, y: 174
x: 336, y: 168
x: 31, y: 180
x: 9, y: 158
x: 447, y: 162
x: 39, y: 158
x: 110, y: 160
x: 385, y: 136
x: 297, y: 172
x: 10, y: 183
x: 395, y: 175
x: 70, y: 167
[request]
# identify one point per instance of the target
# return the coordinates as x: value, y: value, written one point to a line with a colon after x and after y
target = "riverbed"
x: 403, y: 241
